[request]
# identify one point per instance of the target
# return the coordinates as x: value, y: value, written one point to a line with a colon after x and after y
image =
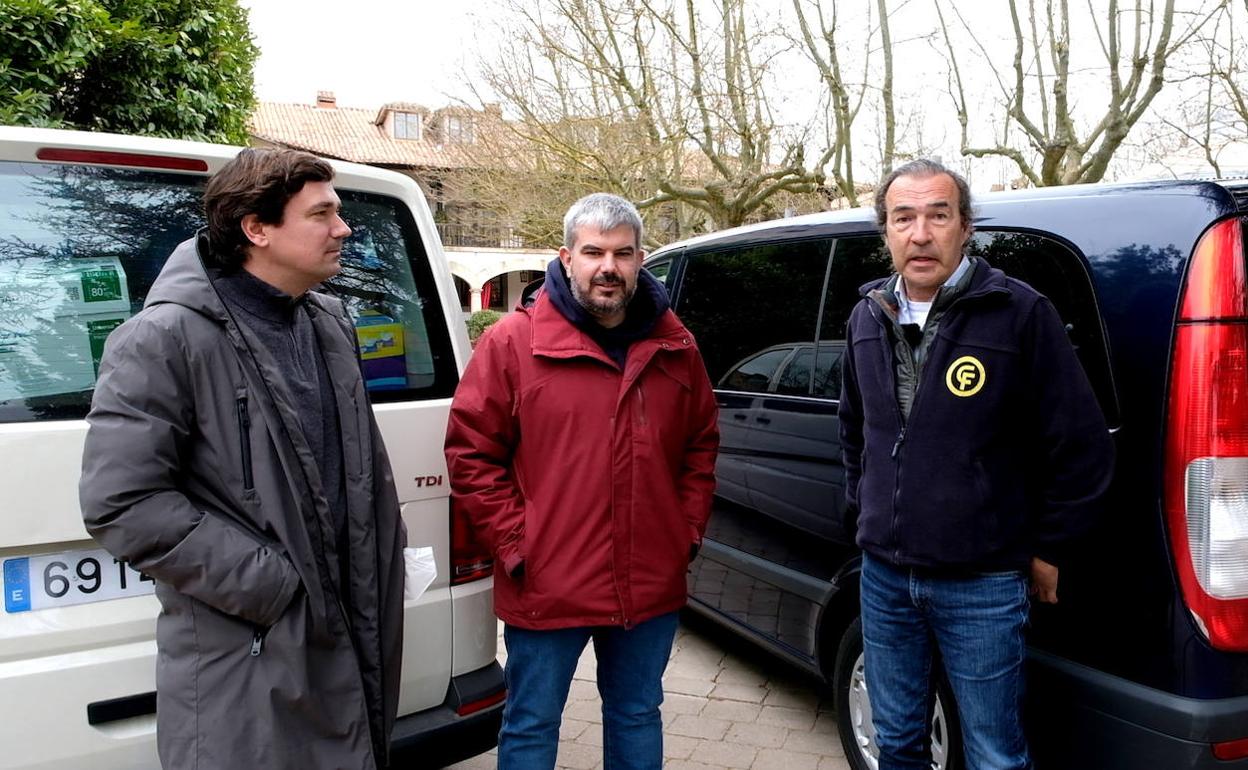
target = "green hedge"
x: 481, y: 320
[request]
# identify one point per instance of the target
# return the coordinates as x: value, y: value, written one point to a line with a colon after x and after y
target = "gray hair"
x: 602, y: 210
x: 923, y: 167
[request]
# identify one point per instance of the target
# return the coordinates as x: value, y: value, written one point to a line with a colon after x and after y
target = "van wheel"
x: 853, y: 711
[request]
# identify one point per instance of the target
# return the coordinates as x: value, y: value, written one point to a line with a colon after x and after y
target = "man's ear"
x: 254, y: 229
x: 565, y: 257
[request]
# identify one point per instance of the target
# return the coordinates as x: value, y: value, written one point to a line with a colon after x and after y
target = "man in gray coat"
x: 232, y: 456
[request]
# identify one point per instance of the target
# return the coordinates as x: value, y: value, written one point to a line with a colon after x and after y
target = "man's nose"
x: 921, y: 232
x: 608, y: 262
x: 341, y: 229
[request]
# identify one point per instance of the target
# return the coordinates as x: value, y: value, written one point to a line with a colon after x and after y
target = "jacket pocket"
x: 244, y: 436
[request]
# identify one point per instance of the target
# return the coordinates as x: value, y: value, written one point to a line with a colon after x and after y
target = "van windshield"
x: 80, y: 247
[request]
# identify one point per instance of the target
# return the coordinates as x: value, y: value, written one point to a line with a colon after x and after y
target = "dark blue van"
x: 1144, y: 662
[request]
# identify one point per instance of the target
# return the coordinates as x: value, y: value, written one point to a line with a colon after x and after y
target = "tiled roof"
x: 348, y: 133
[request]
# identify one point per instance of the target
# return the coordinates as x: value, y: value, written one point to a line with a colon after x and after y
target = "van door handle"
x: 763, y: 420
x: 117, y: 709
x: 738, y: 416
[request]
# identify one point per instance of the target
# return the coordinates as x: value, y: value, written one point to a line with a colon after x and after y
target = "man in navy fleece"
x: 975, y: 451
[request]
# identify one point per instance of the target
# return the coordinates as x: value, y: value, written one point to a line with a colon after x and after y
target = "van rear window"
x: 80, y: 247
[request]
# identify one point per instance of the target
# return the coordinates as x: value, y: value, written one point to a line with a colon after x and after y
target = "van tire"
x: 853, y: 710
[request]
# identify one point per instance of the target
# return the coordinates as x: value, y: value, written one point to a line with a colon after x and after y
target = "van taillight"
x: 469, y: 560
x: 1206, y: 462
x: 110, y: 158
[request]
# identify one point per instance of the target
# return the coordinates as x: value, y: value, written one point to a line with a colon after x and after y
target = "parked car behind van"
x: 86, y: 222
x: 1144, y: 662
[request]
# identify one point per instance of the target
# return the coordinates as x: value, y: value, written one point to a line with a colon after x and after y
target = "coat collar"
x: 554, y: 336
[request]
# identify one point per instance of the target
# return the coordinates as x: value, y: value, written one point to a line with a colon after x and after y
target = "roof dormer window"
x: 406, y: 125
x: 459, y: 129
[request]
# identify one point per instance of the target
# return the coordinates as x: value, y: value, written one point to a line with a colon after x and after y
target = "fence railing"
x: 482, y: 237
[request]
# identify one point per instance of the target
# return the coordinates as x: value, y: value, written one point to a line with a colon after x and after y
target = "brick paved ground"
x: 727, y: 705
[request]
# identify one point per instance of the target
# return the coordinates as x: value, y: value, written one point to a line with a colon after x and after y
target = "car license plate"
x: 71, y: 577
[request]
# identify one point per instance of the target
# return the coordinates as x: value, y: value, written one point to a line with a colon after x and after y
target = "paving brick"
x: 693, y: 668
x: 583, y: 690
x: 763, y: 736
x: 732, y: 710
x: 822, y: 744
x: 575, y: 756
x: 683, y: 686
x: 591, y: 737
x: 571, y: 729
x: 679, y: 746
x: 742, y: 673
x: 803, y: 699
x: 794, y: 719
x: 699, y: 727
x: 826, y: 723
x: 723, y: 754
x: 779, y: 759
x: 584, y: 710
x: 685, y: 764
x: 739, y: 692
x: 834, y: 763
x: 676, y: 703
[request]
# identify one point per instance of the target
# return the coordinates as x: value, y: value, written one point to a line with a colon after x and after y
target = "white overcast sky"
x: 368, y: 52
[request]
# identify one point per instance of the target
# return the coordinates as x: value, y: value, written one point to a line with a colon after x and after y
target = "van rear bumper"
x: 439, y: 736
x: 1080, y: 717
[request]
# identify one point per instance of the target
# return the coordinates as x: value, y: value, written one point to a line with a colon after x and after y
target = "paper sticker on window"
x: 101, y: 286
x: 382, y: 353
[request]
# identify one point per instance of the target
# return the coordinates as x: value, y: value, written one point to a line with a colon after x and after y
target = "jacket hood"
x: 648, y: 304
x: 184, y: 280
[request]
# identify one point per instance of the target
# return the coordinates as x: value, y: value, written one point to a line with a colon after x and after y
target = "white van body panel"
x: 53, y: 662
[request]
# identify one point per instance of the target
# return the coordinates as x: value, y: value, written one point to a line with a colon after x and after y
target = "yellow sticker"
x: 965, y: 376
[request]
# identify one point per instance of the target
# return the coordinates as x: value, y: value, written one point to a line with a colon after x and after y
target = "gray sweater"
x: 282, y: 322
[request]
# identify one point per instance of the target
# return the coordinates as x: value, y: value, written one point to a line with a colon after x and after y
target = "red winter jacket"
x: 598, y: 480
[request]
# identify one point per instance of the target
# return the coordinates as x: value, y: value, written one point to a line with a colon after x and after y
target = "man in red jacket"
x: 582, y: 446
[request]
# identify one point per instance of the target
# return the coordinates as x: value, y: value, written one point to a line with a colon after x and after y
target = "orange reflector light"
x: 479, y: 705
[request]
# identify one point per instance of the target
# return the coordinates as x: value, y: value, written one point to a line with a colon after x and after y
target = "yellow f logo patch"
x: 965, y: 376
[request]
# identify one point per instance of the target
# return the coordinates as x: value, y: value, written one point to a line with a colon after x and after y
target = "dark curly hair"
x: 260, y: 182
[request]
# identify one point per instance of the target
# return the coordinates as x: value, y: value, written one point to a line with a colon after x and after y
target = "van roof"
x: 1228, y: 194
x: 22, y: 144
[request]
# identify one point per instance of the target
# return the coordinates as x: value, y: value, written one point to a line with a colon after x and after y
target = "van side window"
x: 662, y: 271
x: 855, y: 261
x: 1052, y: 269
x: 80, y: 247
x: 741, y: 302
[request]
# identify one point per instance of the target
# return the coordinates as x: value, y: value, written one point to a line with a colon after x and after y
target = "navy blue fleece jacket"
x: 1005, y: 454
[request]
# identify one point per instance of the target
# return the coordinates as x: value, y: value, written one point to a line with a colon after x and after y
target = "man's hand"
x: 1043, y: 581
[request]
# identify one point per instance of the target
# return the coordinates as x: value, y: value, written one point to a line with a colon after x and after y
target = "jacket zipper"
x: 257, y: 643
x: 244, y: 433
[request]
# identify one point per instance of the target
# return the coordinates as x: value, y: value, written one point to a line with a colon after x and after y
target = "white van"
x: 86, y: 222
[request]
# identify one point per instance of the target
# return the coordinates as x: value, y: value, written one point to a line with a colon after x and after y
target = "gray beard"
x: 601, y: 308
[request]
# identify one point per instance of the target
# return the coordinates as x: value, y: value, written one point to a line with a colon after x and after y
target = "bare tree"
x: 663, y: 101
x: 824, y: 45
x: 1056, y: 146
x: 1215, y: 114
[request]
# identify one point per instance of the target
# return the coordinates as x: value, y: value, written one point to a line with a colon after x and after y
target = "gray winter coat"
x: 196, y: 472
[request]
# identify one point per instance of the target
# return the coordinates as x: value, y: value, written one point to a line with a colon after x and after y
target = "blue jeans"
x: 539, y: 672
x: 976, y: 624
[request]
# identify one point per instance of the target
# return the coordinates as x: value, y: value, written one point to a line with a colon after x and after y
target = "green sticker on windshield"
x: 97, y: 332
x: 101, y: 286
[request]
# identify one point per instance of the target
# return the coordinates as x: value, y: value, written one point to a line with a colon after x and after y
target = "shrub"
x: 481, y: 320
